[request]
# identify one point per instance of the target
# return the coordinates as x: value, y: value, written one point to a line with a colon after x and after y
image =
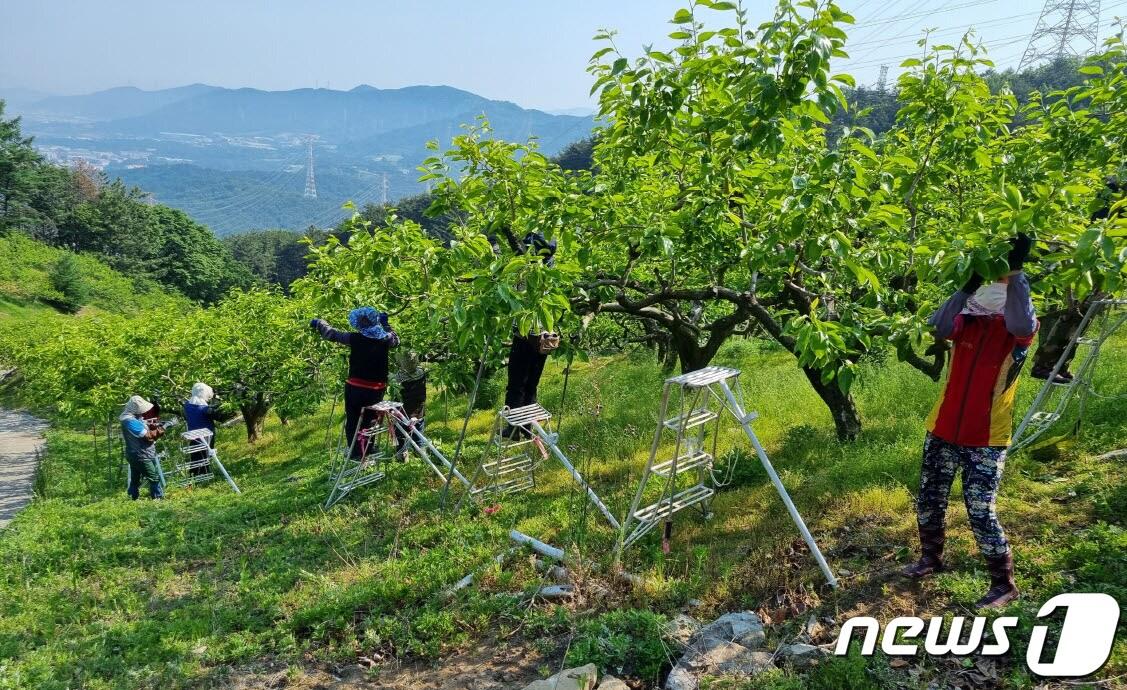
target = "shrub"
x: 625, y: 643
x: 68, y: 281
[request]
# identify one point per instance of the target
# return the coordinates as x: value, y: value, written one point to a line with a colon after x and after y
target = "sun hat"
x: 369, y: 322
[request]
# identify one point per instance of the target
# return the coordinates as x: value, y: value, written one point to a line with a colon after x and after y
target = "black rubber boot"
x: 932, y: 540
x: 1003, y: 589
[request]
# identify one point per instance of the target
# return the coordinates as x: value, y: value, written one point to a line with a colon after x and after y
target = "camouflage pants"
x: 982, y: 472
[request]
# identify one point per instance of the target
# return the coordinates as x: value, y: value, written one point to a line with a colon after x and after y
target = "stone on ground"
x: 581, y: 678
x: 612, y: 683
x: 729, y: 646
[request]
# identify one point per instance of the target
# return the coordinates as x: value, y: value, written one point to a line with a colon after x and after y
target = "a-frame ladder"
x: 407, y: 428
x: 1053, y: 399
x: 687, y: 478
x: 509, y: 465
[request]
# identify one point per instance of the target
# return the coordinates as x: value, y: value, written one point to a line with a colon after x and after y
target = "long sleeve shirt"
x: 976, y: 408
x: 368, y: 357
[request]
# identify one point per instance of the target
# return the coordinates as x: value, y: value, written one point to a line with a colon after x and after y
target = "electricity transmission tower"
x: 882, y: 80
x: 310, y: 180
x: 1066, y: 28
x: 383, y: 191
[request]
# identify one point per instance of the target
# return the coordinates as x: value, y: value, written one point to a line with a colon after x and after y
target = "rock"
x: 801, y: 655
x: 582, y: 678
x: 612, y: 683
x: 681, y: 629
x: 728, y: 646
x: 744, y: 628
x: 680, y: 678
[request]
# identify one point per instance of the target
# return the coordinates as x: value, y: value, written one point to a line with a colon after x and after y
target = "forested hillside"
x: 81, y: 210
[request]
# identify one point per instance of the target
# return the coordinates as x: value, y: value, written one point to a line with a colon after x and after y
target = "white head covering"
x: 135, y: 407
x: 201, y: 394
x: 987, y: 300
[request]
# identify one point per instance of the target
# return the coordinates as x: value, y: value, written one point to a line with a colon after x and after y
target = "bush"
x: 68, y: 281
x: 626, y: 643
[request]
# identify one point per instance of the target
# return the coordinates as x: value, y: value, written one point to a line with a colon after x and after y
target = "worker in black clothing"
x: 412, y: 380
x: 529, y: 351
x: 367, y: 364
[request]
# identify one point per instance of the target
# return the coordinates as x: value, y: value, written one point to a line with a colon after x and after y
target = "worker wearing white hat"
x: 140, y: 447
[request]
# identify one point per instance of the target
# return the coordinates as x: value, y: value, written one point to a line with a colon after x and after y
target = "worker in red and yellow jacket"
x: 991, y: 327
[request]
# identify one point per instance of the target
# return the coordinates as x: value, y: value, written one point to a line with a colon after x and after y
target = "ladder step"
x: 685, y: 463
x: 690, y: 420
x: 663, y: 509
x: 520, y: 416
x: 361, y: 481
x: 520, y: 463
x: 1087, y: 341
x: 1044, y: 418
x: 509, y: 444
x: 704, y: 377
x: 507, y: 487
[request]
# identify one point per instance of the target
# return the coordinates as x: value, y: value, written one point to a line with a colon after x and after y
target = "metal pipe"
x: 622, y: 539
x: 537, y: 545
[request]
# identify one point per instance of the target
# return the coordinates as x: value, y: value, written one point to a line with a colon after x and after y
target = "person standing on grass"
x: 140, y: 438
x: 199, y: 414
x: 991, y: 327
x: 412, y: 380
x: 369, y: 347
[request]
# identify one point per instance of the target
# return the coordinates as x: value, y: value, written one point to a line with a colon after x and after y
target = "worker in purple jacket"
x: 369, y: 347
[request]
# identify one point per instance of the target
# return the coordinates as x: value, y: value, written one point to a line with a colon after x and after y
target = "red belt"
x: 364, y: 383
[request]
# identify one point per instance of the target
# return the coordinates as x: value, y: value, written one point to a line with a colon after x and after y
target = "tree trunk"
x: 254, y: 416
x: 847, y: 421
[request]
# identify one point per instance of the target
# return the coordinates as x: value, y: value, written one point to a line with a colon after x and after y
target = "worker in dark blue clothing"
x: 369, y: 346
x: 200, y: 414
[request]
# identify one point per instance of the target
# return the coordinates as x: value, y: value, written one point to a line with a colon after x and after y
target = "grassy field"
x: 99, y: 592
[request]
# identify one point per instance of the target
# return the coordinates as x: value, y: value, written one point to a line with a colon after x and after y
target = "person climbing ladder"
x: 412, y: 380
x: 369, y: 347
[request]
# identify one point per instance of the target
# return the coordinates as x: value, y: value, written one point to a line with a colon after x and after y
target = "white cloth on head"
x: 988, y: 300
x: 135, y: 407
x: 201, y: 394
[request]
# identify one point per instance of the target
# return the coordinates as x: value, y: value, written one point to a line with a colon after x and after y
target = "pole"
x: 465, y: 423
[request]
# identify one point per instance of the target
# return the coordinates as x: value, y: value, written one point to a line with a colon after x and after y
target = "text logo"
x: 1086, y: 636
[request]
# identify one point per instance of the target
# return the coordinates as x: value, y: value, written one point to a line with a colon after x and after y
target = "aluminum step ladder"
x: 405, y: 427
x: 518, y: 446
x: 187, y: 470
x: 1100, y: 322
x: 687, y: 476
x: 348, y: 473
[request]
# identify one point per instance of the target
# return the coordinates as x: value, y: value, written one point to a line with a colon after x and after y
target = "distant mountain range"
x: 236, y: 158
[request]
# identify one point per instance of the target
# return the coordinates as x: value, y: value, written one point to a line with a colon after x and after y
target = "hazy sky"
x: 531, y: 52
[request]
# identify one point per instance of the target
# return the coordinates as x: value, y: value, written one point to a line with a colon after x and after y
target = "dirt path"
x: 21, y: 435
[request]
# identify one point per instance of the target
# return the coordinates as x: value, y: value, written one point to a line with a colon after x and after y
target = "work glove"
x: 313, y: 323
x: 1019, y: 251
x: 973, y: 284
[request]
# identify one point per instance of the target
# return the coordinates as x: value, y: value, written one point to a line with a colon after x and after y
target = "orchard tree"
x: 256, y: 350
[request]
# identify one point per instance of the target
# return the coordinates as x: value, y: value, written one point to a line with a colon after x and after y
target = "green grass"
x: 99, y: 592
x: 25, y: 280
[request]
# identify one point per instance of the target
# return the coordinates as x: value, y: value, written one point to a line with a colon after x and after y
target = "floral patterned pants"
x: 982, y: 472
